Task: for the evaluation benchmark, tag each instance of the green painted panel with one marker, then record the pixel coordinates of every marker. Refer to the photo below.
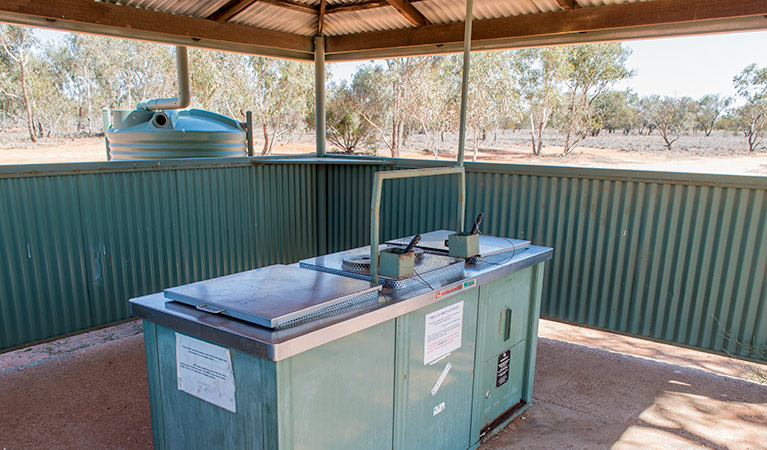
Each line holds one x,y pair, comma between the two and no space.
189,422
340,394
505,308
500,398
75,248
43,289
434,413
131,238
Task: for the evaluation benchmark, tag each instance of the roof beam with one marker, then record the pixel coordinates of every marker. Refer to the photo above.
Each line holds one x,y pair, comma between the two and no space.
88,16
409,12
567,4
321,18
230,9
615,22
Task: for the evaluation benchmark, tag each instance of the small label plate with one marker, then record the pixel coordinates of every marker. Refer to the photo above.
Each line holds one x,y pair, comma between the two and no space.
502,374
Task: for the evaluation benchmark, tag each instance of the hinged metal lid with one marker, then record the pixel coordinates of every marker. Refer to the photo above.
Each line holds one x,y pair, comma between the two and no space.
274,296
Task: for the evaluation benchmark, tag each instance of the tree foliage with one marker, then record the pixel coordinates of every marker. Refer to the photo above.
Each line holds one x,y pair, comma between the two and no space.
587,73
751,86
60,87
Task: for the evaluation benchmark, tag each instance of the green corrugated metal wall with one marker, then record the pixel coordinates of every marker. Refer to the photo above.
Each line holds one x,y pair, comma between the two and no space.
75,248
675,257
666,256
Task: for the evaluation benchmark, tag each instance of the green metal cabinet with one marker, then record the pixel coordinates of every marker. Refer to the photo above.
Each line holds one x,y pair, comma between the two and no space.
372,389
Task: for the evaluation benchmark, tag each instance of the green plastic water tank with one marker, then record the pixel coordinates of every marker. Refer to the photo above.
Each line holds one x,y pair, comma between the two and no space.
186,133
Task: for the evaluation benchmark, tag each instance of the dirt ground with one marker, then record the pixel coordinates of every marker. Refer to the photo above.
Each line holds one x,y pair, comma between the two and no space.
721,153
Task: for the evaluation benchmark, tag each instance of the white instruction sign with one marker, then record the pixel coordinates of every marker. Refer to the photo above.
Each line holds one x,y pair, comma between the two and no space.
443,332
205,371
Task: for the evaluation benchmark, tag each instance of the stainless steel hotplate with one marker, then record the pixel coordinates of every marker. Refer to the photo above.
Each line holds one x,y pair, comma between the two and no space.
276,296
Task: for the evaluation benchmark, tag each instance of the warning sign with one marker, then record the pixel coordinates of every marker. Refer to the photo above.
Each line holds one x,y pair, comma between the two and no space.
443,332
205,371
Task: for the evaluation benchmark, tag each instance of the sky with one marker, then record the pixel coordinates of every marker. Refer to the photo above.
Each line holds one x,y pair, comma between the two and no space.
686,66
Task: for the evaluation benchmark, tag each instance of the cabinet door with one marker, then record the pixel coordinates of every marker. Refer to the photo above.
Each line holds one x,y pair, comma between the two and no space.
504,305
503,318
434,386
502,380
338,396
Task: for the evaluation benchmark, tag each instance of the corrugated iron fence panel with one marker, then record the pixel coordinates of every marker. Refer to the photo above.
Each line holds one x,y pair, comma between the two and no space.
42,261
677,262
668,258
677,258
408,206
75,248
132,235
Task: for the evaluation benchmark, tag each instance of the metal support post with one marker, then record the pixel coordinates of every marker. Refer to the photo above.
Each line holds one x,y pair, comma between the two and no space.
106,121
465,81
249,131
319,90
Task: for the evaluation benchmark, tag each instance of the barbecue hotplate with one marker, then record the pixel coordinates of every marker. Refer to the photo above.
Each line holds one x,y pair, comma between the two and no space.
276,296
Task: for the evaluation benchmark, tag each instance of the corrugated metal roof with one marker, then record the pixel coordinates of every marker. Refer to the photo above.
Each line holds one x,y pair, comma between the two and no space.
447,11
270,17
385,18
193,8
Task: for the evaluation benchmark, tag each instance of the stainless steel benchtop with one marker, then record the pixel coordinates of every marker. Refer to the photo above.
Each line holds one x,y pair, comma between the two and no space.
283,343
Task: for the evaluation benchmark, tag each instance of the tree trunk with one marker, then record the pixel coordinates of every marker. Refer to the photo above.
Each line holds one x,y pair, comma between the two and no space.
532,131
30,122
266,139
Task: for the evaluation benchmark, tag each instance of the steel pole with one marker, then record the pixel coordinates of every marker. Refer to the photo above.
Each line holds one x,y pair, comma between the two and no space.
319,91
465,81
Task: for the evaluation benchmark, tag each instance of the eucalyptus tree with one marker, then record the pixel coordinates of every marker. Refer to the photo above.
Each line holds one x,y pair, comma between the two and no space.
388,98
436,99
16,43
751,86
669,115
282,94
616,110
492,96
587,71
708,110
538,73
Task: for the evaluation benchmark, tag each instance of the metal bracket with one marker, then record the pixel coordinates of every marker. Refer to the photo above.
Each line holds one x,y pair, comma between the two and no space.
375,203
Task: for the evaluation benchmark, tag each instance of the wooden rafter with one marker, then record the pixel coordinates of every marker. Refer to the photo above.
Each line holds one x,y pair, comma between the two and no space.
623,21
107,19
409,12
567,4
230,9
321,18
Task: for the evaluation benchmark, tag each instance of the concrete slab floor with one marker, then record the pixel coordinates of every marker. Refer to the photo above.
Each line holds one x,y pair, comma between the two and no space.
592,390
